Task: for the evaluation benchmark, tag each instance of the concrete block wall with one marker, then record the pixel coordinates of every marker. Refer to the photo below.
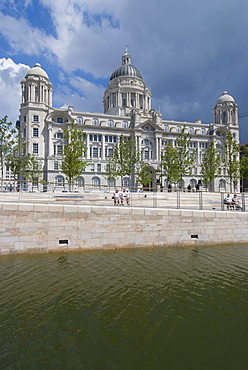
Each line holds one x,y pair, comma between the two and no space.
42,228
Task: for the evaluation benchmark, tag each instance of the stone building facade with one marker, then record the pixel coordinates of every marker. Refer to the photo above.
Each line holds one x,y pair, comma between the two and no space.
127,106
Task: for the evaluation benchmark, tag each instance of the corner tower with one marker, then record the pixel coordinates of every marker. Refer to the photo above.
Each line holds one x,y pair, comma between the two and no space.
226,110
126,90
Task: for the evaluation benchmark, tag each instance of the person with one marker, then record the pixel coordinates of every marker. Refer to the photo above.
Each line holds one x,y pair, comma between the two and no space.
121,198
116,198
189,188
228,201
236,202
169,188
126,196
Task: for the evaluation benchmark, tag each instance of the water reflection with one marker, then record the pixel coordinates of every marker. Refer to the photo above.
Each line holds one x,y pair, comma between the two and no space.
174,308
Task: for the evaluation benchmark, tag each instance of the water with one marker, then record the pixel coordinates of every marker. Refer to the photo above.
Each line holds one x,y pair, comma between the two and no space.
171,308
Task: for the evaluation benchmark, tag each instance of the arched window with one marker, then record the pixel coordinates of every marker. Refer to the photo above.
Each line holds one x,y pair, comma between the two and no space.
59,181
80,120
193,183
95,122
110,123
111,182
179,129
125,124
191,130
166,128
125,182
80,181
95,181
203,131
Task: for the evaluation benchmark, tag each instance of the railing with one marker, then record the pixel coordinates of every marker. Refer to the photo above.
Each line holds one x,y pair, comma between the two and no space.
101,195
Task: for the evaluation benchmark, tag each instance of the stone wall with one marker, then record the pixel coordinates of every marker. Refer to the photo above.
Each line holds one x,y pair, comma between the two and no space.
40,228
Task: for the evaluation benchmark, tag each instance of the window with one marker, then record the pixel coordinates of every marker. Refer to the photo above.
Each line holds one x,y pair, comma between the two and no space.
95,181
25,119
59,135
191,130
92,167
24,132
166,128
110,152
59,149
59,181
80,120
179,129
110,139
192,144
95,138
111,182
35,148
95,153
146,142
146,154
203,131
234,136
125,124
55,165
60,120
80,181
110,123
125,182
95,122
99,167
36,118
35,132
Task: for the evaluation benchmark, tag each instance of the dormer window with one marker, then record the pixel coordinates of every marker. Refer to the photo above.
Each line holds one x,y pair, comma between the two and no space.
95,122
60,120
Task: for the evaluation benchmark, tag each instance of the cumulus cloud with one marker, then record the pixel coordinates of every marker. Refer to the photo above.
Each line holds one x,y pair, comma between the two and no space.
188,52
10,91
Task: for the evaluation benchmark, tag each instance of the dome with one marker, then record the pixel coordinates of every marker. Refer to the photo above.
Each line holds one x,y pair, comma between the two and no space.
126,69
37,71
224,98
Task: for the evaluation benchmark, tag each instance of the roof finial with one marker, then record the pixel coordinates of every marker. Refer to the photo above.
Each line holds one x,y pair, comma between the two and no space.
126,49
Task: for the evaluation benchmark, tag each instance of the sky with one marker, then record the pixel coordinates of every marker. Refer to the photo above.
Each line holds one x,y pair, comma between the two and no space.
188,52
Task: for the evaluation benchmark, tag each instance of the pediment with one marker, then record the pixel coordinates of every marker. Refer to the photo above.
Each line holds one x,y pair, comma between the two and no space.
149,126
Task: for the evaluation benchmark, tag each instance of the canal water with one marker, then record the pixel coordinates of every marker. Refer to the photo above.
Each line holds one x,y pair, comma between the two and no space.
171,308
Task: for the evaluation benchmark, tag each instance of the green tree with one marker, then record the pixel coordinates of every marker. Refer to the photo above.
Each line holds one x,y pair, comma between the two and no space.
143,174
17,158
170,164
179,160
186,156
232,161
244,163
125,158
32,170
7,141
74,151
210,167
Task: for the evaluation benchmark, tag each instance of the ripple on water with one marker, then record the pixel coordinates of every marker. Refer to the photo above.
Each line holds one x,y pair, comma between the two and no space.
125,309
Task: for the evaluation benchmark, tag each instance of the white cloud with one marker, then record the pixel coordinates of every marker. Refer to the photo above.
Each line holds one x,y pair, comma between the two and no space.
10,90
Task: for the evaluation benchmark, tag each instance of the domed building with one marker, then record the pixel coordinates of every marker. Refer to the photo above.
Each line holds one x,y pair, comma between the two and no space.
127,108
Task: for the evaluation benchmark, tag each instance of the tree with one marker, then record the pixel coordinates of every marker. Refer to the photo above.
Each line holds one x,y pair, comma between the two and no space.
178,161
17,158
7,140
125,158
232,160
211,163
143,174
186,157
74,151
32,170
170,164
243,164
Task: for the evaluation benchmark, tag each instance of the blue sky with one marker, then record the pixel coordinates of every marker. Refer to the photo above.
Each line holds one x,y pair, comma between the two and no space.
188,52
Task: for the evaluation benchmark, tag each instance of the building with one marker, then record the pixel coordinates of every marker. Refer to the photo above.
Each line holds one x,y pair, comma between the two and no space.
127,106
